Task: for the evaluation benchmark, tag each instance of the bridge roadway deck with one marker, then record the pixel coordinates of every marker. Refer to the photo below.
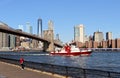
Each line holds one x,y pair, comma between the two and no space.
21,33
13,71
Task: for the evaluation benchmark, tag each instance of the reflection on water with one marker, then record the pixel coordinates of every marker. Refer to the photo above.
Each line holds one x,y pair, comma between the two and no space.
97,60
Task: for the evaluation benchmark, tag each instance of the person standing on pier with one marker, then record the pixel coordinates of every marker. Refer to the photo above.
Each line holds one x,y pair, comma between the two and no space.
22,63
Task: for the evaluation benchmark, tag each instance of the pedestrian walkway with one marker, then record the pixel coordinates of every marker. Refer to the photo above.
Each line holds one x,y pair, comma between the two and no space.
13,71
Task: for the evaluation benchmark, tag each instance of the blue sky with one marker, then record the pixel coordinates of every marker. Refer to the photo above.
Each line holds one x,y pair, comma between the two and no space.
94,14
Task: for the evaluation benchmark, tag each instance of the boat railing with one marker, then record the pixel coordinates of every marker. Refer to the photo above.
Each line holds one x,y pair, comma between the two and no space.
73,72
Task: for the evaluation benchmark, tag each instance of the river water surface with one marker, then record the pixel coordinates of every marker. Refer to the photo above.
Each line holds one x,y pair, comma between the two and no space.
108,61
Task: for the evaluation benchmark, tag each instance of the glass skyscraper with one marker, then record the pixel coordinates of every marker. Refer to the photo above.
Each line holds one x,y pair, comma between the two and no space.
79,33
29,28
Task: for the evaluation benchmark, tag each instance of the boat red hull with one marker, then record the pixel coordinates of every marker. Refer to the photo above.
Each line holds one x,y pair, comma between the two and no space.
72,53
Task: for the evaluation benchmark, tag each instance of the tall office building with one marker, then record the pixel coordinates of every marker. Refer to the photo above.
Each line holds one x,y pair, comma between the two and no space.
3,40
79,33
39,27
50,25
98,36
57,37
21,27
29,28
11,41
108,35
3,36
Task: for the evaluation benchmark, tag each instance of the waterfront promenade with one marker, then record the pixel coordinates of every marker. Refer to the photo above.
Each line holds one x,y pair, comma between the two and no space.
14,71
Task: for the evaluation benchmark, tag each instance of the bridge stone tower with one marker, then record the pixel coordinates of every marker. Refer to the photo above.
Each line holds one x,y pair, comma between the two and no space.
49,35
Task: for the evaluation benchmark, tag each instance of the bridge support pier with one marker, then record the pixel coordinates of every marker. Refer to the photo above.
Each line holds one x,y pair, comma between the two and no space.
45,46
48,46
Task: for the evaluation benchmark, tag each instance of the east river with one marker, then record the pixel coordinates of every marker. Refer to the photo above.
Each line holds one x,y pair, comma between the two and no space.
108,61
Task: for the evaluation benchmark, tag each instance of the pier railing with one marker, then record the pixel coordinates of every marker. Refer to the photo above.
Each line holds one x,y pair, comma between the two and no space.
73,72
106,49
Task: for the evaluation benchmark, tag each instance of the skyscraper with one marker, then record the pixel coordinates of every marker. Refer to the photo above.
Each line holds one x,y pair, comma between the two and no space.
108,35
21,27
79,33
39,28
11,41
29,28
57,37
50,25
98,36
3,39
3,36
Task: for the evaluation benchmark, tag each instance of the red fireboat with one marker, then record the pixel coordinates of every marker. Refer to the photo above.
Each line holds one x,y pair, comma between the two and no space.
72,51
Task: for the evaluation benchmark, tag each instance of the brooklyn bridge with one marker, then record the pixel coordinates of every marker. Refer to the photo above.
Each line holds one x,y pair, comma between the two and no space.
48,39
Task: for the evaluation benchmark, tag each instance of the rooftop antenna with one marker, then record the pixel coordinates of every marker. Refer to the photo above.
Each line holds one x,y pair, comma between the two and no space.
98,29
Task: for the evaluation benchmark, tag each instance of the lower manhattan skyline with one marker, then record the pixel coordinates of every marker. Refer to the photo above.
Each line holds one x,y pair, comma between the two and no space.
103,15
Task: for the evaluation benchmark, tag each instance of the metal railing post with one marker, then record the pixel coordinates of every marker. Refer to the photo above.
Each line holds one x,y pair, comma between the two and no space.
66,68
52,66
109,76
84,73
